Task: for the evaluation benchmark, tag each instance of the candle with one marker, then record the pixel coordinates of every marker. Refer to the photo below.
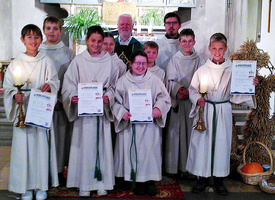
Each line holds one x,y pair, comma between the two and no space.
150,29
17,76
203,84
138,29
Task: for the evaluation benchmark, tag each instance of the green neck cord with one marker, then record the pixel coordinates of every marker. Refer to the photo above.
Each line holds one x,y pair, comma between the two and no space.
214,126
133,172
98,174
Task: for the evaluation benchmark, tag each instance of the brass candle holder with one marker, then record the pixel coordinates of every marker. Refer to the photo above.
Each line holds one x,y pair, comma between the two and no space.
200,123
21,116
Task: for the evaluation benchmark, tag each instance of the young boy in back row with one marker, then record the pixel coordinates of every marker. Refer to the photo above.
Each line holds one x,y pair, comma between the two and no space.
151,49
62,57
209,151
180,70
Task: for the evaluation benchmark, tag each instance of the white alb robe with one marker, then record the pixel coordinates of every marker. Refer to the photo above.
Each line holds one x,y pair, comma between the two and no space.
180,70
62,57
120,64
86,69
148,135
199,157
31,149
157,71
167,48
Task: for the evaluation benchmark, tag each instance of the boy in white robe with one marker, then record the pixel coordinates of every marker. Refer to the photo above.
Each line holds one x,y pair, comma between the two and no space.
151,49
180,70
33,155
141,161
62,57
200,160
91,156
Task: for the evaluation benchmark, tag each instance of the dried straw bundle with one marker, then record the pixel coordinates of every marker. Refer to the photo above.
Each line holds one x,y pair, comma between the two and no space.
258,124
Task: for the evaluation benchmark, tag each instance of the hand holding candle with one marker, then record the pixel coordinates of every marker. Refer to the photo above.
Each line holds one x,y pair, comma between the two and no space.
203,84
17,75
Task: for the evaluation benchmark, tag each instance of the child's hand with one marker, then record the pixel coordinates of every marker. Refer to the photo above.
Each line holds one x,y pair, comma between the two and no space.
75,99
45,87
126,116
201,102
183,93
18,98
156,113
105,99
255,81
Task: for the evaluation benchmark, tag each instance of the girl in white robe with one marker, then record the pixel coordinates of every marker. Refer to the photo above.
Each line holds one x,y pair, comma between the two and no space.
147,135
109,46
91,146
33,155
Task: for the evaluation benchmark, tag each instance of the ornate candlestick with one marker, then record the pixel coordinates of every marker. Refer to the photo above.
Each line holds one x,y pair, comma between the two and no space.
200,123
21,116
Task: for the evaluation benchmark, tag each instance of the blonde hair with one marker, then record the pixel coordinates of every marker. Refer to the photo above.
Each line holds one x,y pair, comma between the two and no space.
218,37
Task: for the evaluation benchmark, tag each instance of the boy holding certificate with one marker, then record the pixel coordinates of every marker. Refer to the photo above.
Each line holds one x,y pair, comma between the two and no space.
138,145
91,156
209,150
62,56
180,70
33,154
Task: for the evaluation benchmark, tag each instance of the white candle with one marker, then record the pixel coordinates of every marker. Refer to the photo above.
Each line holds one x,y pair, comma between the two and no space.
150,29
138,29
17,76
203,84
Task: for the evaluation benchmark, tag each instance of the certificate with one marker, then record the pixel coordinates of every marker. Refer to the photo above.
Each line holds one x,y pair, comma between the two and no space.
90,101
40,109
243,73
140,106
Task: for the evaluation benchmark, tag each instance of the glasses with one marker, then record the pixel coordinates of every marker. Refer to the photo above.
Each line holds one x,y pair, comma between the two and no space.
141,63
169,23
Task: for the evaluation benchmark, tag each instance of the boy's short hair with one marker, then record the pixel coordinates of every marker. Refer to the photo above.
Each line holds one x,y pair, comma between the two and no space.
53,20
31,28
172,14
218,37
150,44
95,29
187,31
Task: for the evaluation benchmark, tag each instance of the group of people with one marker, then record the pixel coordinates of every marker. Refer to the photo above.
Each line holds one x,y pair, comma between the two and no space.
101,151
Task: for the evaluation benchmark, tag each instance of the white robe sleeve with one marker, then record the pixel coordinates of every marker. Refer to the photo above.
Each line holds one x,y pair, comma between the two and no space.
70,89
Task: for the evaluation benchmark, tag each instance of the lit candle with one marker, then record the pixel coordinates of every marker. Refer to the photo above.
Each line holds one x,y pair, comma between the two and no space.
203,84
17,76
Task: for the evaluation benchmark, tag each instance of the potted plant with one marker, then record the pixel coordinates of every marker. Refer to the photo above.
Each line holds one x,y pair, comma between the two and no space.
152,17
77,25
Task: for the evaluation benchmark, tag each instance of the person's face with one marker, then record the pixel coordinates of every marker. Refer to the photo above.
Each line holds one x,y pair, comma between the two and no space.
152,54
139,66
52,32
217,50
125,26
186,42
32,41
172,26
108,45
94,43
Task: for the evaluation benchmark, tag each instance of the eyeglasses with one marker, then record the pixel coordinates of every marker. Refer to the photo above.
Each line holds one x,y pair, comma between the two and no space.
141,63
169,23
